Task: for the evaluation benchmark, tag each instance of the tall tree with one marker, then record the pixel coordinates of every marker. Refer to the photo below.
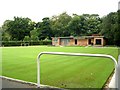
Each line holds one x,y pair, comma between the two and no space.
19,27
110,27
85,24
34,35
117,34
92,23
4,30
26,39
44,29
59,24
75,25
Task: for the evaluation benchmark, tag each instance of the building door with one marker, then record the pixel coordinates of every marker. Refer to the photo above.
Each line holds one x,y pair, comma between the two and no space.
89,41
75,41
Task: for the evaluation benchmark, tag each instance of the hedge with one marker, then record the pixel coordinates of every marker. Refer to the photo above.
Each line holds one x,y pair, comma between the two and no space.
11,43
23,43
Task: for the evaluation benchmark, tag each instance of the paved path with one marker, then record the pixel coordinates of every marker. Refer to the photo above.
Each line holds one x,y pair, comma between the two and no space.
14,84
119,71
112,83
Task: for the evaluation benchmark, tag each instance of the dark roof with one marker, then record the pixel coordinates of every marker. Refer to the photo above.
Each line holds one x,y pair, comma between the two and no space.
88,37
80,37
63,37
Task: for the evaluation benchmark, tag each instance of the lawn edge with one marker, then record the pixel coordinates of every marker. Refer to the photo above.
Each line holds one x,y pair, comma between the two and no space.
26,82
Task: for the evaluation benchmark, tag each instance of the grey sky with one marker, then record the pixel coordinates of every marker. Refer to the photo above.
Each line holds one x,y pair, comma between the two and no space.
38,9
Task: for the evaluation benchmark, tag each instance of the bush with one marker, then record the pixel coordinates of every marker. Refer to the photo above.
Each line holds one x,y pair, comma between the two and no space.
47,42
11,43
24,43
26,38
34,43
41,42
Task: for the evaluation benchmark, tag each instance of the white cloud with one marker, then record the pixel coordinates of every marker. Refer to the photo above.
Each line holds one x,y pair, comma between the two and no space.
37,9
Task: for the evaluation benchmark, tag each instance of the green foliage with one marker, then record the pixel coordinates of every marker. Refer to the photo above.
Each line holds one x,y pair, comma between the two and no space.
44,29
92,24
41,42
75,26
11,43
19,27
63,25
84,24
117,34
22,43
110,28
6,37
46,39
59,24
26,38
34,38
34,35
0,35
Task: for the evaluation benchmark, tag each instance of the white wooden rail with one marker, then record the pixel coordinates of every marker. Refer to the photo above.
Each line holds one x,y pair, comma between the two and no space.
77,54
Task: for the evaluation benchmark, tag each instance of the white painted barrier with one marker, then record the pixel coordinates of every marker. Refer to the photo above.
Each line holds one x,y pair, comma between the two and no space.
119,72
77,54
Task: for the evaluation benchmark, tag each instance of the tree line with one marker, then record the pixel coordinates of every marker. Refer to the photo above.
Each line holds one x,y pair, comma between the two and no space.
24,29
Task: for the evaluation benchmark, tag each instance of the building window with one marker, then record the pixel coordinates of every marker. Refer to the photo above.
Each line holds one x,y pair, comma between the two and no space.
98,42
65,41
55,39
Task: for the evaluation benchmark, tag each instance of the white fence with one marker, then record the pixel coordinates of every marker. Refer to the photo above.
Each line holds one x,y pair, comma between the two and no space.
117,80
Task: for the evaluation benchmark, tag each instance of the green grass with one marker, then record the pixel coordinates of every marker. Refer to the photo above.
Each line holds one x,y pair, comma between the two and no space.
59,71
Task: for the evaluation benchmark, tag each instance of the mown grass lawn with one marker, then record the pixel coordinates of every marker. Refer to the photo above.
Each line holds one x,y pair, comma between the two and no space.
59,71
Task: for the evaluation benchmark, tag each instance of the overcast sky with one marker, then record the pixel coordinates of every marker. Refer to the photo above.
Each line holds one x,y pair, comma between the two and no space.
38,9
